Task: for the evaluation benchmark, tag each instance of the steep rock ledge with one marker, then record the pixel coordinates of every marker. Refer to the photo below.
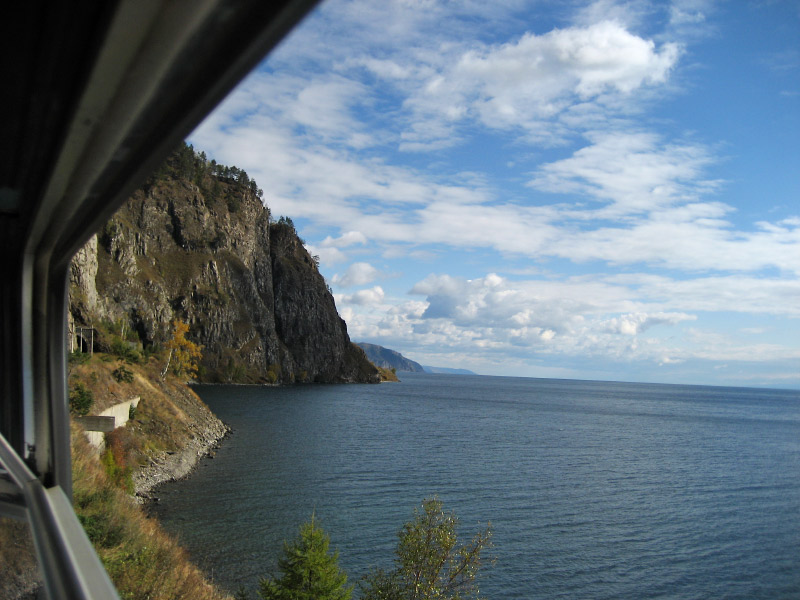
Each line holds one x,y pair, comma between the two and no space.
197,244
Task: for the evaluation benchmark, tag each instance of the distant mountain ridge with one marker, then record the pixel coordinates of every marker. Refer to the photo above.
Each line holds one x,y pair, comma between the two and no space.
389,359
446,370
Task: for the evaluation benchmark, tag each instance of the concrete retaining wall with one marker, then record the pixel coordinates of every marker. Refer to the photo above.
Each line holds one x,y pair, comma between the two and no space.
120,412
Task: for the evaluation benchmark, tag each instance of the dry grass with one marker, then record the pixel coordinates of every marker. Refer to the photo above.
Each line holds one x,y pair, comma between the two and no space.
141,559
160,423
387,374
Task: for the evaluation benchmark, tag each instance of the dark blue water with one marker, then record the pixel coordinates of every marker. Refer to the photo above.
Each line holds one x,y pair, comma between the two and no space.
594,489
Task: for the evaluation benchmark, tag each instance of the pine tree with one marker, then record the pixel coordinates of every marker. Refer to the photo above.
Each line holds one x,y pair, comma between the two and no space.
310,572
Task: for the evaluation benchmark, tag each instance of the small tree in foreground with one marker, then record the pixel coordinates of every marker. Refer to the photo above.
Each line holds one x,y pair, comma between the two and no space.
310,572
430,563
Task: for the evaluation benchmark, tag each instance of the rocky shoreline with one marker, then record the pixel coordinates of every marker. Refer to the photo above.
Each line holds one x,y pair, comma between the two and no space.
169,466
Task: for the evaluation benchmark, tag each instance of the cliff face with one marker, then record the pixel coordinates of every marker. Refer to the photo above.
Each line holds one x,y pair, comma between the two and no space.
198,246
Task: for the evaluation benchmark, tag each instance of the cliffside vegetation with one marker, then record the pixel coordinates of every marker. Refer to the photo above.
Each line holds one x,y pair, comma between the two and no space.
387,374
170,421
141,559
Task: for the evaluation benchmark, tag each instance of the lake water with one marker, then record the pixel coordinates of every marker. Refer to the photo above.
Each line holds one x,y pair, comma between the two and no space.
594,489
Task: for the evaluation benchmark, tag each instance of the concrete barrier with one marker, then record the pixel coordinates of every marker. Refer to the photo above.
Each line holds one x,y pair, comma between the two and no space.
97,423
120,412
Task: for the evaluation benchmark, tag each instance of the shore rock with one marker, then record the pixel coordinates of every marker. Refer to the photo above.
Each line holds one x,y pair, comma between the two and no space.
207,433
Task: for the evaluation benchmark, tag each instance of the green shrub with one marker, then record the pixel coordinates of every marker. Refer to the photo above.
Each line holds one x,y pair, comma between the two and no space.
121,349
113,462
101,530
122,374
79,358
273,373
429,561
81,399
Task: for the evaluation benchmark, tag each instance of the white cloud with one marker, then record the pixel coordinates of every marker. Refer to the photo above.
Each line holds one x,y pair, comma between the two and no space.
373,295
657,187
328,255
348,238
666,360
632,324
534,305
731,293
359,273
753,330
635,172
607,318
330,250
629,13
689,12
527,83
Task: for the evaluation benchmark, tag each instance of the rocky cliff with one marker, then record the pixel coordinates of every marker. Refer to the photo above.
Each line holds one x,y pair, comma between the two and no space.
197,244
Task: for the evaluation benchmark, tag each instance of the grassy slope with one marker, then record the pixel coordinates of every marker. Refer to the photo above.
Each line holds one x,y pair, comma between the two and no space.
387,374
142,560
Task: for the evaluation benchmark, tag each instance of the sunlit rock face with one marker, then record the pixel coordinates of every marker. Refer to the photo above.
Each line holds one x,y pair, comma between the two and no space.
205,250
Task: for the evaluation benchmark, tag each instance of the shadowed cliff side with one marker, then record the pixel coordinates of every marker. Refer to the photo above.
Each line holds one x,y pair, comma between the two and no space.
312,332
196,243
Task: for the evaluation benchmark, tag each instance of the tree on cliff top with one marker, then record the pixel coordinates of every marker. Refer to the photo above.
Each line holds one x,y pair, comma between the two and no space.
184,355
310,572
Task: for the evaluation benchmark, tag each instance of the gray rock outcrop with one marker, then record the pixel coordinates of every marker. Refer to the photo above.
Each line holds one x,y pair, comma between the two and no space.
203,249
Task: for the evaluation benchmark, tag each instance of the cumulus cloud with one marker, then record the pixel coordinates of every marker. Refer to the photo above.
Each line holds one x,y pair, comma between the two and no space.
633,324
537,78
521,306
348,238
332,250
359,273
373,295
628,318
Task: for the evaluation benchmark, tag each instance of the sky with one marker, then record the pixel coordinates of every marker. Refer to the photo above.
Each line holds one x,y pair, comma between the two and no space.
585,190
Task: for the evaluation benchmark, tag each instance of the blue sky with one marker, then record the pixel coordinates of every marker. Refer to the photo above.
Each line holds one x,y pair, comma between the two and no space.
592,190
